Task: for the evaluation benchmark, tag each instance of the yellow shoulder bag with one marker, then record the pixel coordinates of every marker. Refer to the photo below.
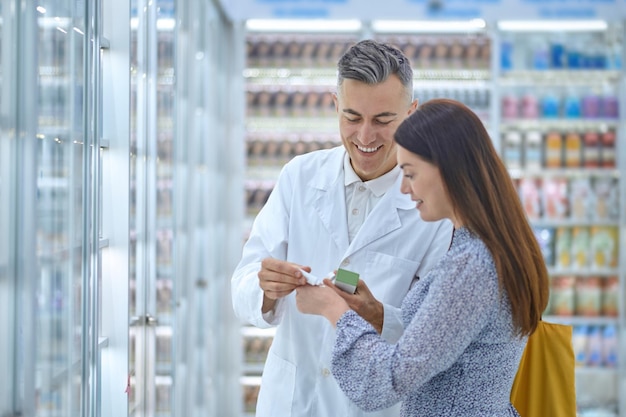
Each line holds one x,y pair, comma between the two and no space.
544,384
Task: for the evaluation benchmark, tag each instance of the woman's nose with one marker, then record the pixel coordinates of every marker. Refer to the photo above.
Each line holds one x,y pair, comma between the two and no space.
404,188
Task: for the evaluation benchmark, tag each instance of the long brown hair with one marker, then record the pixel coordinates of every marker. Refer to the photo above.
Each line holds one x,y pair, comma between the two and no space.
449,135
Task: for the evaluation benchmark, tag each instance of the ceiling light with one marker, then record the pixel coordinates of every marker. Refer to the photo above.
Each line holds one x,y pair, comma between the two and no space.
417,26
552,25
302,25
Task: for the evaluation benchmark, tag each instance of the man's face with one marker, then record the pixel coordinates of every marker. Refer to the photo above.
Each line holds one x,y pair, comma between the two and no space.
368,117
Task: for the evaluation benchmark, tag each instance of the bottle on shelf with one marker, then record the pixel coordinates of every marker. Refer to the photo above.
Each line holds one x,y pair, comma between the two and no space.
591,149
553,150
573,149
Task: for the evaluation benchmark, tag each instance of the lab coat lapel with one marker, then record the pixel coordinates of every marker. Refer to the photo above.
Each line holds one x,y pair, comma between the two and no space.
383,219
330,202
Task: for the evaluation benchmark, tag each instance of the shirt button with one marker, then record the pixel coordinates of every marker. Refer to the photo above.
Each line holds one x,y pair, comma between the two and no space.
326,372
355,211
361,188
345,262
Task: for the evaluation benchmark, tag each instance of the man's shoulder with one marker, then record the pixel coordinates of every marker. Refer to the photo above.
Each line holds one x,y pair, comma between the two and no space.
315,160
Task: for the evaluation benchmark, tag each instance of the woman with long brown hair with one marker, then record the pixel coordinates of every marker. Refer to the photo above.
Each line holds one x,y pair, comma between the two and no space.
467,321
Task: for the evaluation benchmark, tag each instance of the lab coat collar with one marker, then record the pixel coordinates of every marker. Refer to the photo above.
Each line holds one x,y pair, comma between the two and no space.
384,218
330,204
378,186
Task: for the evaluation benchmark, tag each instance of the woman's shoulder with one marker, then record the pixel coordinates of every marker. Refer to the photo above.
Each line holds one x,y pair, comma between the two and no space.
469,247
469,260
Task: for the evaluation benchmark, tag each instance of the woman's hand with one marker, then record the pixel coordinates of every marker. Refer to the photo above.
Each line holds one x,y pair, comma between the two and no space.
364,303
322,300
325,301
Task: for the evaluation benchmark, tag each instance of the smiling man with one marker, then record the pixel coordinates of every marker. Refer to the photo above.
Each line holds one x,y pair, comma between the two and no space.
330,209
369,114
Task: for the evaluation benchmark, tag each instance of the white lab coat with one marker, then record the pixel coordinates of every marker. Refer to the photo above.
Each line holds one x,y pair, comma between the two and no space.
304,221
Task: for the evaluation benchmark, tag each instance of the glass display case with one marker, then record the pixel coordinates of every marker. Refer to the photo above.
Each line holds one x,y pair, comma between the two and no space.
56,241
151,194
185,168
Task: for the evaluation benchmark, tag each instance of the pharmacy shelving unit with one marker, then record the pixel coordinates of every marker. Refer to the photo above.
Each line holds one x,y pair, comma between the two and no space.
561,133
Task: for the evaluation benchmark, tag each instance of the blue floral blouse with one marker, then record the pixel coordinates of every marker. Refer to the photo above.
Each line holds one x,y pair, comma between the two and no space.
458,355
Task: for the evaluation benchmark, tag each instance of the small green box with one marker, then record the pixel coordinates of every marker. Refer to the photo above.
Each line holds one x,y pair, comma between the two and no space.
347,280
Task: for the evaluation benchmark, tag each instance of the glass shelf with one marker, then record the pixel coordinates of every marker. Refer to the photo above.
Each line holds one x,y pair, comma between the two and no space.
559,124
586,271
539,78
564,173
573,222
291,124
328,76
582,320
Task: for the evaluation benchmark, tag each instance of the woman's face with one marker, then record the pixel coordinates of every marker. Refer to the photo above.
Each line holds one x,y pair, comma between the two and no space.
422,181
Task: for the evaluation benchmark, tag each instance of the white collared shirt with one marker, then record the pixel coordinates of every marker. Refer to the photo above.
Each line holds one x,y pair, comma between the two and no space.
361,197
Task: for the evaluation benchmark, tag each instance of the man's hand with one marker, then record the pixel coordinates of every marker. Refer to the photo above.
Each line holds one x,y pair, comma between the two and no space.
364,303
277,279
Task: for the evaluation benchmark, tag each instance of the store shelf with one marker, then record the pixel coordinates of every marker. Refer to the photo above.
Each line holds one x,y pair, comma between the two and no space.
517,173
291,124
559,102
561,77
301,77
256,344
584,271
556,223
250,387
580,320
560,124
310,77
596,389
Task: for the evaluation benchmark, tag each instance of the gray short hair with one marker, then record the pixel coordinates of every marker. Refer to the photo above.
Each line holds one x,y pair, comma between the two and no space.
373,62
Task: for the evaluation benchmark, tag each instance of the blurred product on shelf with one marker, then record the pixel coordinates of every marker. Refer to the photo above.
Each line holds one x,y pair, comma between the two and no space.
595,345
584,296
573,148
554,105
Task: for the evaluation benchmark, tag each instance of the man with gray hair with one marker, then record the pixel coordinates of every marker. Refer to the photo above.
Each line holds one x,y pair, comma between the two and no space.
331,209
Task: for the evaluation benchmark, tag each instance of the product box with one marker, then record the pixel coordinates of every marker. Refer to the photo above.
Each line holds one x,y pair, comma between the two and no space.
603,244
580,247
610,296
562,295
554,198
563,248
347,280
588,296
